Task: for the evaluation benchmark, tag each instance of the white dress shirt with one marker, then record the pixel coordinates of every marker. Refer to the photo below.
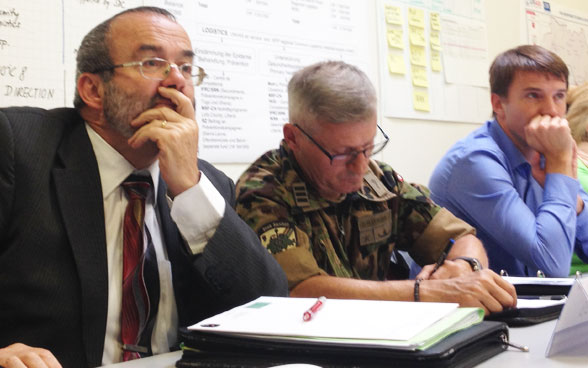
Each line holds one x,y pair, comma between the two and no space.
197,213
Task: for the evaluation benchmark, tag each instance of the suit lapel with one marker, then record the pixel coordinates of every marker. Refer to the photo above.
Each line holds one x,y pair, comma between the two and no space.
77,183
171,234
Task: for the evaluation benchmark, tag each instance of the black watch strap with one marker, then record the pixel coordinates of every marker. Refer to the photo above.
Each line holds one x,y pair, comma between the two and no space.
474,263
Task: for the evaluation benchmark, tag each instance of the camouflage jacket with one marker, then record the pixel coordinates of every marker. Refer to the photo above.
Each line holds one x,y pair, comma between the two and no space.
355,237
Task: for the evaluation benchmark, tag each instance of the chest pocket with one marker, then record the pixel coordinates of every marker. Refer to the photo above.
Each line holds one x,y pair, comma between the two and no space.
373,227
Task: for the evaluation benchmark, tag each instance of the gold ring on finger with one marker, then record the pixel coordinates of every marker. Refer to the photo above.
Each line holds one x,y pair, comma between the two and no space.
164,123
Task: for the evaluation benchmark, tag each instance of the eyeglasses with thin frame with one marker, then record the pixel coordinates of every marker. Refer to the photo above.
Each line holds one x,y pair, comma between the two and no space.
159,69
344,158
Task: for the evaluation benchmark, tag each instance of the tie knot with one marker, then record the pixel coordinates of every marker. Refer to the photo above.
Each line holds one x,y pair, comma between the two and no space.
137,186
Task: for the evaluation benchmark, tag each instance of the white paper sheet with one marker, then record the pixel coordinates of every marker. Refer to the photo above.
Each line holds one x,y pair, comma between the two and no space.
353,319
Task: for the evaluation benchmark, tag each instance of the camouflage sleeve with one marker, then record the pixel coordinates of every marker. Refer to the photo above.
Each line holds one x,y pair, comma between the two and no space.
428,246
263,207
424,227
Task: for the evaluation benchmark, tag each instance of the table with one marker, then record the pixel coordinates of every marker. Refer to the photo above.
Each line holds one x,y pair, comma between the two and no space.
535,337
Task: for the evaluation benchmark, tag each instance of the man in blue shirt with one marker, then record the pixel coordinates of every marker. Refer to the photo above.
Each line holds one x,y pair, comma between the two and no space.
514,179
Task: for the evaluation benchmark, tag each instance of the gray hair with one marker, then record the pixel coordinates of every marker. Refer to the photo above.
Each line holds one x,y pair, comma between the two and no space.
332,91
94,52
577,114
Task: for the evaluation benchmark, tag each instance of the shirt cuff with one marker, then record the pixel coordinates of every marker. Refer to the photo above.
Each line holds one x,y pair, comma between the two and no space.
197,212
562,189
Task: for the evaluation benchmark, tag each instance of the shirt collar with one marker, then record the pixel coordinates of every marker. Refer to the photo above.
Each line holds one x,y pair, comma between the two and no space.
113,167
513,155
308,199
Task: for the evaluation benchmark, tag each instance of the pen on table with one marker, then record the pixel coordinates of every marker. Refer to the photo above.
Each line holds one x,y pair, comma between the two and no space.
443,255
314,309
543,297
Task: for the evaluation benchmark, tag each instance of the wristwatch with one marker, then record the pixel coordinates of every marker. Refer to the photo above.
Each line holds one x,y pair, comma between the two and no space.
474,263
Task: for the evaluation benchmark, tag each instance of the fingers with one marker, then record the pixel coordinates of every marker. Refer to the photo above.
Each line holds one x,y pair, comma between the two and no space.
483,289
547,133
551,136
157,115
511,298
174,132
425,273
496,293
184,106
24,356
451,269
161,122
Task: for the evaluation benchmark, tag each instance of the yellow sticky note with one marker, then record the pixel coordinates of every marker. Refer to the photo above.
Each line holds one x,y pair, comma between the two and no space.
417,55
393,14
395,38
435,22
416,17
420,100
435,40
416,36
396,64
419,76
436,61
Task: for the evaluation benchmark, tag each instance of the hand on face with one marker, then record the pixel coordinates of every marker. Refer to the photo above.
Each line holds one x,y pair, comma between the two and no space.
551,137
175,132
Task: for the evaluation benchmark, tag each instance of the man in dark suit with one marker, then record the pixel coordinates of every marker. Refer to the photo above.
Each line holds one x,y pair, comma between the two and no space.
62,204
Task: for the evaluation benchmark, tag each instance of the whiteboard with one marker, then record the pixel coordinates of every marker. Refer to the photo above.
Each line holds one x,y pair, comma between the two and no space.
248,48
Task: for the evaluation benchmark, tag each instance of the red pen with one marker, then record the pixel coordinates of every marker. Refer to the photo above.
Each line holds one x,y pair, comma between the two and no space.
315,308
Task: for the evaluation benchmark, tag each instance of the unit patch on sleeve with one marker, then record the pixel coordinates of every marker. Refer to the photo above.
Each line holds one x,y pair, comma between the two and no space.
278,236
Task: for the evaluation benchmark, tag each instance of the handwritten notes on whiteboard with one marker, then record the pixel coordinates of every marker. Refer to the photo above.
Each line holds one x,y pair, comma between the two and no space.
249,50
31,71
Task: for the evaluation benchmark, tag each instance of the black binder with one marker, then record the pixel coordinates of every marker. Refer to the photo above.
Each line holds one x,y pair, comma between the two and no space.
535,289
465,348
518,317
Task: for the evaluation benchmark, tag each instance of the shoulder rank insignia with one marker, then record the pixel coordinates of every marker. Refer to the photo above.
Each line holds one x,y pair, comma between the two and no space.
374,189
300,194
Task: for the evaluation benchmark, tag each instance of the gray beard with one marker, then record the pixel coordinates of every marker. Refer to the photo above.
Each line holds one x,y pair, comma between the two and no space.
121,108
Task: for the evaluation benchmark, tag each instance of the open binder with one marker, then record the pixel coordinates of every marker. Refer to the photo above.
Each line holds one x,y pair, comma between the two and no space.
344,333
465,348
541,285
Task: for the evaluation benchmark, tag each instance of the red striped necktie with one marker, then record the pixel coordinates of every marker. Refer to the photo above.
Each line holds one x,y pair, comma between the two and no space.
140,297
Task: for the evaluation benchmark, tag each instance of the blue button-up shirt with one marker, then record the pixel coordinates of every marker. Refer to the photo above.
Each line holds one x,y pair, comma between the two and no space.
485,180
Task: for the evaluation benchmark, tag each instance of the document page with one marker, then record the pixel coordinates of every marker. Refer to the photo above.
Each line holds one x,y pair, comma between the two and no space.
351,319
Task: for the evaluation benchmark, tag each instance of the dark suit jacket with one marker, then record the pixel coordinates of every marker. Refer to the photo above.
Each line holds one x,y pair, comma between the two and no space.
53,267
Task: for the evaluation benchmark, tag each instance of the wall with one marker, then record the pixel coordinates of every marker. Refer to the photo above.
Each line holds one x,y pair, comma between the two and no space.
416,145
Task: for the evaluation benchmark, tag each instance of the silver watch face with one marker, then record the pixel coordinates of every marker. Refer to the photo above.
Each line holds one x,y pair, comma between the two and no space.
476,266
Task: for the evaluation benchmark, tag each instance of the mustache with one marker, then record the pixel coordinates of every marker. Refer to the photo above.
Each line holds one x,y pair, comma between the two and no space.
160,100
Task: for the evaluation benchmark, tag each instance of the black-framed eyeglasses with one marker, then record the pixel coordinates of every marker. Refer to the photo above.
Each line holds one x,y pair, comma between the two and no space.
158,69
344,158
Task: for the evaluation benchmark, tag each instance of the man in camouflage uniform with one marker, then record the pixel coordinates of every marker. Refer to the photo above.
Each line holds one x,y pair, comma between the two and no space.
333,218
